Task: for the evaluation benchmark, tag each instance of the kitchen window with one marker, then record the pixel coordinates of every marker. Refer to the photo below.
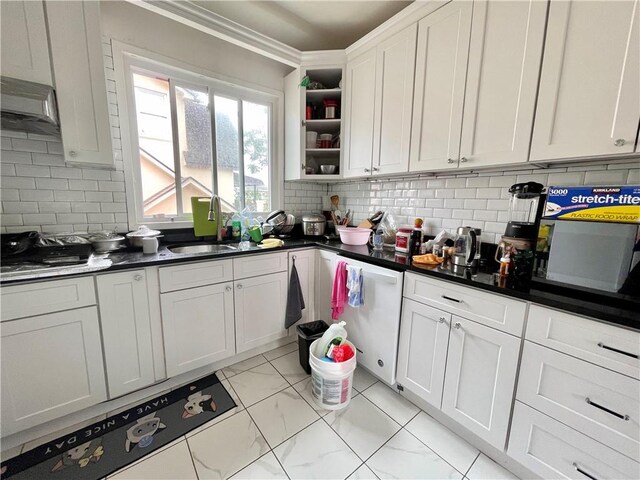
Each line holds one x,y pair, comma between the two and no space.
192,136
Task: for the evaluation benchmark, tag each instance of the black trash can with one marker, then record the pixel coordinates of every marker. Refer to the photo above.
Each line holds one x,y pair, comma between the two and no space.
307,334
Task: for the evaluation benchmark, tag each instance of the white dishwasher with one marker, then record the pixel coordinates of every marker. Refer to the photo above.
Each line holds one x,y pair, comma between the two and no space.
374,327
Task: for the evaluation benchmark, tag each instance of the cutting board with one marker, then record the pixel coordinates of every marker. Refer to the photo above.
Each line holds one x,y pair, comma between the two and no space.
202,227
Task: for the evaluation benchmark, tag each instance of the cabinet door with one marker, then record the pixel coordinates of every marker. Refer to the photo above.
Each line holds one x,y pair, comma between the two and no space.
51,366
260,304
358,153
293,131
422,350
395,69
126,331
589,99
441,68
305,262
197,326
502,81
479,383
78,68
325,270
24,46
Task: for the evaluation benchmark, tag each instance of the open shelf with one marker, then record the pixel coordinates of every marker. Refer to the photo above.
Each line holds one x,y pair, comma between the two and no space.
323,151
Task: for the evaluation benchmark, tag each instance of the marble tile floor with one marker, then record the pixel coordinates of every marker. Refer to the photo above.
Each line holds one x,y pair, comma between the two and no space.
278,432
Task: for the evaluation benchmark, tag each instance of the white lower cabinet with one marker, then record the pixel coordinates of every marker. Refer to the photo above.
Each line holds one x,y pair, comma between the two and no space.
325,269
481,371
51,366
126,331
550,449
197,326
260,304
422,353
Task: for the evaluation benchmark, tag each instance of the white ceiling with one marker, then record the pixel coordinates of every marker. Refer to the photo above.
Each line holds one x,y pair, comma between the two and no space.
309,24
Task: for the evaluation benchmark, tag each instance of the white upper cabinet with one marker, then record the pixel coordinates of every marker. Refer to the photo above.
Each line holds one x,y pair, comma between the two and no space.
78,70
24,46
126,331
395,68
502,79
589,99
441,66
360,94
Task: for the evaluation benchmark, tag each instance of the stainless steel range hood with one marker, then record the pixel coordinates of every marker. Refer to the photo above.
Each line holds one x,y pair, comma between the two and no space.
28,107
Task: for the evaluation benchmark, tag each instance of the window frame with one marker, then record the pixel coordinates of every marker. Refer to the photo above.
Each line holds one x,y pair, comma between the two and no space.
128,59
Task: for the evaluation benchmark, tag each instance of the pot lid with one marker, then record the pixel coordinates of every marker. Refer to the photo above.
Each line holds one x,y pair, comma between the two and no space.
105,238
143,231
314,217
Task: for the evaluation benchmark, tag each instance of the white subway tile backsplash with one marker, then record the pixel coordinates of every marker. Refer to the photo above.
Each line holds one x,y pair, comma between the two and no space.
11,219
52,183
83,185
55,148
444,193
69,196
464,193
39,218
568,179
478,182
71,218
20,207
634,177
502,180
48,159
100,217
113,207
33,171
36,195
66,172
54,207
487,215
9,195
17,182
608,177
85,207
108,186
9,156
98,196
487,192
26,145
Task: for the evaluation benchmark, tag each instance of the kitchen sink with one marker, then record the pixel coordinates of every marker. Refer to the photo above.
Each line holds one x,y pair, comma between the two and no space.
201,248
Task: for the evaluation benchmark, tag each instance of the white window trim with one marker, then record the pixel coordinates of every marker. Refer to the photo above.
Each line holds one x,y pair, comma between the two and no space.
124,56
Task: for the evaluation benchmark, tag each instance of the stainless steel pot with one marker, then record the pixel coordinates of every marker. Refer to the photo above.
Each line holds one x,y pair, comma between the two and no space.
102,244
313,225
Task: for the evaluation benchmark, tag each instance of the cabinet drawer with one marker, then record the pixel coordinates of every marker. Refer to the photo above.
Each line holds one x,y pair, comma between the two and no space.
490,309
595,401
553,450
190,275
46,297
605,345
255,265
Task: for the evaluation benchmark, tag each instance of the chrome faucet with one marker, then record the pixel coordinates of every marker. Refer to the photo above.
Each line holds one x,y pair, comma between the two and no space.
215,214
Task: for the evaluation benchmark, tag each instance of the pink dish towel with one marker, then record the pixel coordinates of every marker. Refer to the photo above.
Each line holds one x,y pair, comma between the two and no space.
339,293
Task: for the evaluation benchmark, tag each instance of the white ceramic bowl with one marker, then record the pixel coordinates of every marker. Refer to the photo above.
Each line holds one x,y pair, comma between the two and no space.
354,235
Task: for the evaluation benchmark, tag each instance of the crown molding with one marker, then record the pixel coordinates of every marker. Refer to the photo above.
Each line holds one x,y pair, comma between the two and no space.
323,57
405,17
213,24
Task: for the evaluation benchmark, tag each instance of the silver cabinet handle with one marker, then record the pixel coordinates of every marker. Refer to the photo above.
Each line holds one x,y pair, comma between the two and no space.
303,123
621,352
73,153
579,470
376,169
450,160
464,159
366,170
302,166
457,325
620,142
605,409
227,288
239,287
442,320
138,277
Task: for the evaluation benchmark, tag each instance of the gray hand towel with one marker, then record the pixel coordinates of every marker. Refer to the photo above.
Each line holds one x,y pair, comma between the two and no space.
295,299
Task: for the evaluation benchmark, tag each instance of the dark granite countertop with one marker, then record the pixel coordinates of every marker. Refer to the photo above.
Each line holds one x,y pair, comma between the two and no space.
623,313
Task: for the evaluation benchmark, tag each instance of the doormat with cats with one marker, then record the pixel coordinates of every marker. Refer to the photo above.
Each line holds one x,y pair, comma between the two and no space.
104,447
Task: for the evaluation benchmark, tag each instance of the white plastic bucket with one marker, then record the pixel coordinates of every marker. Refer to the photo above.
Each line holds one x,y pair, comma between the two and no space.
331,383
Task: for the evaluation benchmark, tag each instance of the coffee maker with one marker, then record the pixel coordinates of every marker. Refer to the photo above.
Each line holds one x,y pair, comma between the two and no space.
526,205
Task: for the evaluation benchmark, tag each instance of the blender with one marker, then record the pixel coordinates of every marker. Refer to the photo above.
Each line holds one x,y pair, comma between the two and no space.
526,204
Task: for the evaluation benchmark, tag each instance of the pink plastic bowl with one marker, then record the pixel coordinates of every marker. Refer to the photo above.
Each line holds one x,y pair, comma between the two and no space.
354,235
